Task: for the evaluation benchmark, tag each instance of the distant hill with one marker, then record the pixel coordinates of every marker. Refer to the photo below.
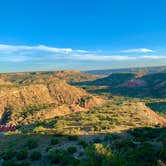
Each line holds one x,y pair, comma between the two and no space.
134,70
29,77
132,85
75,76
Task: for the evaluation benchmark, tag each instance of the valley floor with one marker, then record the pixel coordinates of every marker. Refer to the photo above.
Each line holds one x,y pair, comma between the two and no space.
119,133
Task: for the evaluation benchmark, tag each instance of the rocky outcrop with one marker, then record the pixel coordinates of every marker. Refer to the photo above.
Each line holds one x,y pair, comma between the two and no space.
21,97
57,93
149,115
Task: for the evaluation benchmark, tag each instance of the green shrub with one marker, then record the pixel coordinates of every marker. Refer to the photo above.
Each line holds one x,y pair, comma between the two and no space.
83,143
115,136
9,163
24,163
92,129
21,155
97,128
54,141
97,154
55,156
97,140
160,163
107,137
16,132
39,129
70,160
35,155
117,160
32,143
124,144
71,149
62,157
144,155
73,138
9,154
162,154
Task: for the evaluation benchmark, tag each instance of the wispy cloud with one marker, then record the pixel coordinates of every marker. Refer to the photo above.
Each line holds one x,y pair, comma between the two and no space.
42,54
92,57
16,48
20,53
154,56
137,50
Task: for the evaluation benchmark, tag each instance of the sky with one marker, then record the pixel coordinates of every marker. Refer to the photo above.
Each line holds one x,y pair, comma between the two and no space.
43,35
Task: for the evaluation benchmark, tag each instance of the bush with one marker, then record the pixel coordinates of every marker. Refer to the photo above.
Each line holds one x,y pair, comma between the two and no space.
92,129
73,138
162,154
72,149
9,154
70,160
24,163
39,129
160,163
35,155
83,143
55,156
117,160
97,128
97,140
9,163
32,143
144,155
54,141
62,157
124,144
98,155
21,155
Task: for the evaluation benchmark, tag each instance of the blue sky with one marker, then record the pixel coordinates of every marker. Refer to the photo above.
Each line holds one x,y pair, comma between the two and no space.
81,34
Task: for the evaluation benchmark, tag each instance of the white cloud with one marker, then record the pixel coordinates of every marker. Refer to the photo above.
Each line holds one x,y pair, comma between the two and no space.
154,56
137,50
52,49
42,53
93,57
16,48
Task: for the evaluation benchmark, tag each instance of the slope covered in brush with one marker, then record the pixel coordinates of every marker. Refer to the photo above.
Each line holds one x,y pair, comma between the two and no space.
17,103
123,134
